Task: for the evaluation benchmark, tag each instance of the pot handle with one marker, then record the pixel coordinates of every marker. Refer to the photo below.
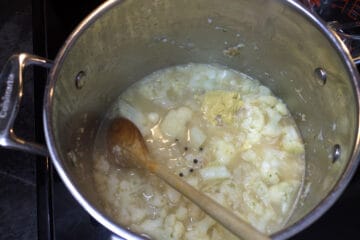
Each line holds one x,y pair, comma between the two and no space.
11,91
342,30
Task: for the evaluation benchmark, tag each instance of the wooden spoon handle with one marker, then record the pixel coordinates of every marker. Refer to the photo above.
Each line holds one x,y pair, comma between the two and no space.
224,216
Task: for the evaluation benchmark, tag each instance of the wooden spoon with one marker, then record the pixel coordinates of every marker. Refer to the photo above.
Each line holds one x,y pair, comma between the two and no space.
128,149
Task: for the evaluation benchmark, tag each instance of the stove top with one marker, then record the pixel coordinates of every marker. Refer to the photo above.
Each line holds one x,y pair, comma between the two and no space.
59,215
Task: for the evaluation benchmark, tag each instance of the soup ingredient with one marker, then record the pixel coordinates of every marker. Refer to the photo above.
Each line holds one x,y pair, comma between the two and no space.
179,118
220,106
127,148
250,159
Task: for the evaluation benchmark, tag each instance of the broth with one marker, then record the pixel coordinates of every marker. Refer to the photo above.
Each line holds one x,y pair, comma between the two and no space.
222,132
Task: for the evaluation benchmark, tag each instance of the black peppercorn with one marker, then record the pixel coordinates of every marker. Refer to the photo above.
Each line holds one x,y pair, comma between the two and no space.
181,174
195,161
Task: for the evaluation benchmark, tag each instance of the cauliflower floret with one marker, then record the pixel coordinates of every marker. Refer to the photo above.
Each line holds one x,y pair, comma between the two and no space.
272,128
224,151
205,78
268,100
214,172
269,173
113,185
193,181
281,193
102,165
173,195
174,123
197,137
253,119
291,141
249,155
170,220
251,139
156,90
173,228
264,90
273,158
253,203
216,235
157,200
137,214
178,230
199,229
125,185
152,226
153,117
182,213
194,211
281,108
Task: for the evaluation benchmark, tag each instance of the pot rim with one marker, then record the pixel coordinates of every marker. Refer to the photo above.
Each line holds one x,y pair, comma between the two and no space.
48,126
291,230
353,163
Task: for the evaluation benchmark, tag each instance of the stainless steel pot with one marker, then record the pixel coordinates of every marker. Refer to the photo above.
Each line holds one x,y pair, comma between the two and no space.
285,47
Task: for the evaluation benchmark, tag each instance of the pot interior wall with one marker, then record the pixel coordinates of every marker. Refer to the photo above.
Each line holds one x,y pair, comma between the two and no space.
281,49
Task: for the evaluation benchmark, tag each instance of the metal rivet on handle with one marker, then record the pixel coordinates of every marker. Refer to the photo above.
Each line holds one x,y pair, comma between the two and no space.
320,76
336,152
80,80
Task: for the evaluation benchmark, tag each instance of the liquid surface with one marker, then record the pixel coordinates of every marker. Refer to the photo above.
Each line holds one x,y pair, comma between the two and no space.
219,130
